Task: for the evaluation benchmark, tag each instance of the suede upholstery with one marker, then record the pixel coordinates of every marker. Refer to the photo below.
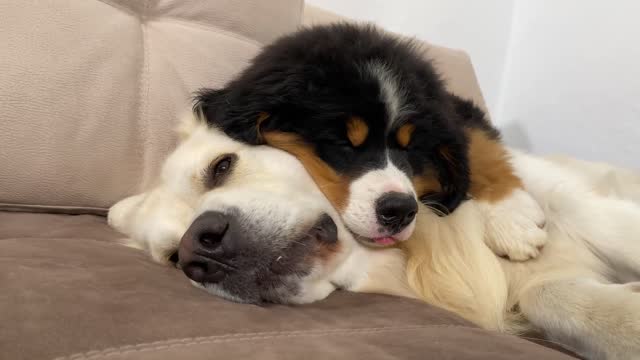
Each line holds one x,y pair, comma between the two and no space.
71,291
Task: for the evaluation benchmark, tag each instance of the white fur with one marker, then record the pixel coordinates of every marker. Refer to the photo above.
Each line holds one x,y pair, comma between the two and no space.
514,226
572,292
594,242
360,212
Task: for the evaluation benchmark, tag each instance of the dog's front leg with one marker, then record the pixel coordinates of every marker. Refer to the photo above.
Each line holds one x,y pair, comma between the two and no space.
514,219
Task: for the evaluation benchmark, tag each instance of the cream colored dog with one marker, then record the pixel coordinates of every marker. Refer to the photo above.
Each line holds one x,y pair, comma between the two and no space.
247,223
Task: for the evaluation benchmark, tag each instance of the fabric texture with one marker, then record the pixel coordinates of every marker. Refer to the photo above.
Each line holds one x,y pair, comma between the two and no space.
90,90
71,291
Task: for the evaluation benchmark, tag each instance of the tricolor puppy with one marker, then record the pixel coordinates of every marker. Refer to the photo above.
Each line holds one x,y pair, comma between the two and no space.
372,123
249,224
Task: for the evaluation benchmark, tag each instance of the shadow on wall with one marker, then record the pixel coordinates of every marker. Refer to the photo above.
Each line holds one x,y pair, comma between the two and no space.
514,135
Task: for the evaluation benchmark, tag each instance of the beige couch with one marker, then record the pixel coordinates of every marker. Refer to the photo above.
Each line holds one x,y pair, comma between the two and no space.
89,92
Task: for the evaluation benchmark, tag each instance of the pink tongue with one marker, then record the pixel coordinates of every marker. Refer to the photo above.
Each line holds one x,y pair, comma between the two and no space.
385,240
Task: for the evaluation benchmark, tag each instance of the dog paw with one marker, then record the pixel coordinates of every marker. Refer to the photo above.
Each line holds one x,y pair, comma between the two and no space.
515,226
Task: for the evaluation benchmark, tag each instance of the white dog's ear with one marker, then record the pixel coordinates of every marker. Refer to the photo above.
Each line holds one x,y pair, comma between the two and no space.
122,216
153,221
187,124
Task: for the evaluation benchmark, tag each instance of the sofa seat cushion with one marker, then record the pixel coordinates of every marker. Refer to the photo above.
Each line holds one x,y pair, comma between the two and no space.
71,291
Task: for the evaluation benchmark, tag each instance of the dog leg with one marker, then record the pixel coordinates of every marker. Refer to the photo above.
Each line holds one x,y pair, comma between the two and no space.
609,225
514,220
514,226
596,320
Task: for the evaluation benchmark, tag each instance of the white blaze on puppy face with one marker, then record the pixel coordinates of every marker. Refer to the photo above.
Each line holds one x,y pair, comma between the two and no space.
360,213
391,92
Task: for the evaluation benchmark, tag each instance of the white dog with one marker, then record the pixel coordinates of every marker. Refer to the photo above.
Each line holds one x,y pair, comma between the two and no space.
247,223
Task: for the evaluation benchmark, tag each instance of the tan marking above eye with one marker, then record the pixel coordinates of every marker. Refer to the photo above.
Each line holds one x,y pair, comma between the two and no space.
357,130
403,135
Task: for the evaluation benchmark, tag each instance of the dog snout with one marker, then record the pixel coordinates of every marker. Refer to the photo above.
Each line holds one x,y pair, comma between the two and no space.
395,210
206,247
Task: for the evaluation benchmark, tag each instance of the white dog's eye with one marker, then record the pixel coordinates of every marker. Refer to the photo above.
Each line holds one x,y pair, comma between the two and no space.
222,166
218,170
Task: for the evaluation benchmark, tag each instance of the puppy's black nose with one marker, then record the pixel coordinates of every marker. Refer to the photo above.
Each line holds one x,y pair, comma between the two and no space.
202,253
396,210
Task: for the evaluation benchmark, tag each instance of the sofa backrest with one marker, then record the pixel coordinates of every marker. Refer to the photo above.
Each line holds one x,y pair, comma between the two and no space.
90,90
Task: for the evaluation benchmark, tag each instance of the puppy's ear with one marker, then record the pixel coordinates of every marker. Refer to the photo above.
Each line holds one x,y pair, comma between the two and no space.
452,157
449,152
238,115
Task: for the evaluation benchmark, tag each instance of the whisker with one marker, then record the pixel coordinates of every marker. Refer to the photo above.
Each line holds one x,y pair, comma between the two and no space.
437,210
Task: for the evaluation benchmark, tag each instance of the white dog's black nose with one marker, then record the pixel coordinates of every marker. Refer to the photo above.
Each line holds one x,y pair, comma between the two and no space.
396,210
202,250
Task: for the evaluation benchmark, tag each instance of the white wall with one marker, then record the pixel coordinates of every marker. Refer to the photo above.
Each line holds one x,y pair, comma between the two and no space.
481,28
559,76
572,80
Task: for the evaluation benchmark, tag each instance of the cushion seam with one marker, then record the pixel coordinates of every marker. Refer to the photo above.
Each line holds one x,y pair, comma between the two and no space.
208,27
198,24
143,94
26,238
119,7
227,338
53,209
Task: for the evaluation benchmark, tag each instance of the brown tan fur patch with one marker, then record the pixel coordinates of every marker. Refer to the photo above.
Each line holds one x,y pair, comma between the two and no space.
357,130
334,186
492,176
403,135
425,184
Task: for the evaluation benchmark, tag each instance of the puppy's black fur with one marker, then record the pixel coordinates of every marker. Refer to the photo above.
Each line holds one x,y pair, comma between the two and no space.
312,81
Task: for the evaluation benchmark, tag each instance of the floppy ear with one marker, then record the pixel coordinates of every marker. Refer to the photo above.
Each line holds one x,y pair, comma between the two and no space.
238,114
449,152
452,157
218,109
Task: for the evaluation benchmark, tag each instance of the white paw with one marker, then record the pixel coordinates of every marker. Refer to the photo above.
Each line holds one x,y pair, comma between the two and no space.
515,226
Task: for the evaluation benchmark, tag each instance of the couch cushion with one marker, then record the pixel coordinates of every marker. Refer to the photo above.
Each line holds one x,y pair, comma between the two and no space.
69,290
90,90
